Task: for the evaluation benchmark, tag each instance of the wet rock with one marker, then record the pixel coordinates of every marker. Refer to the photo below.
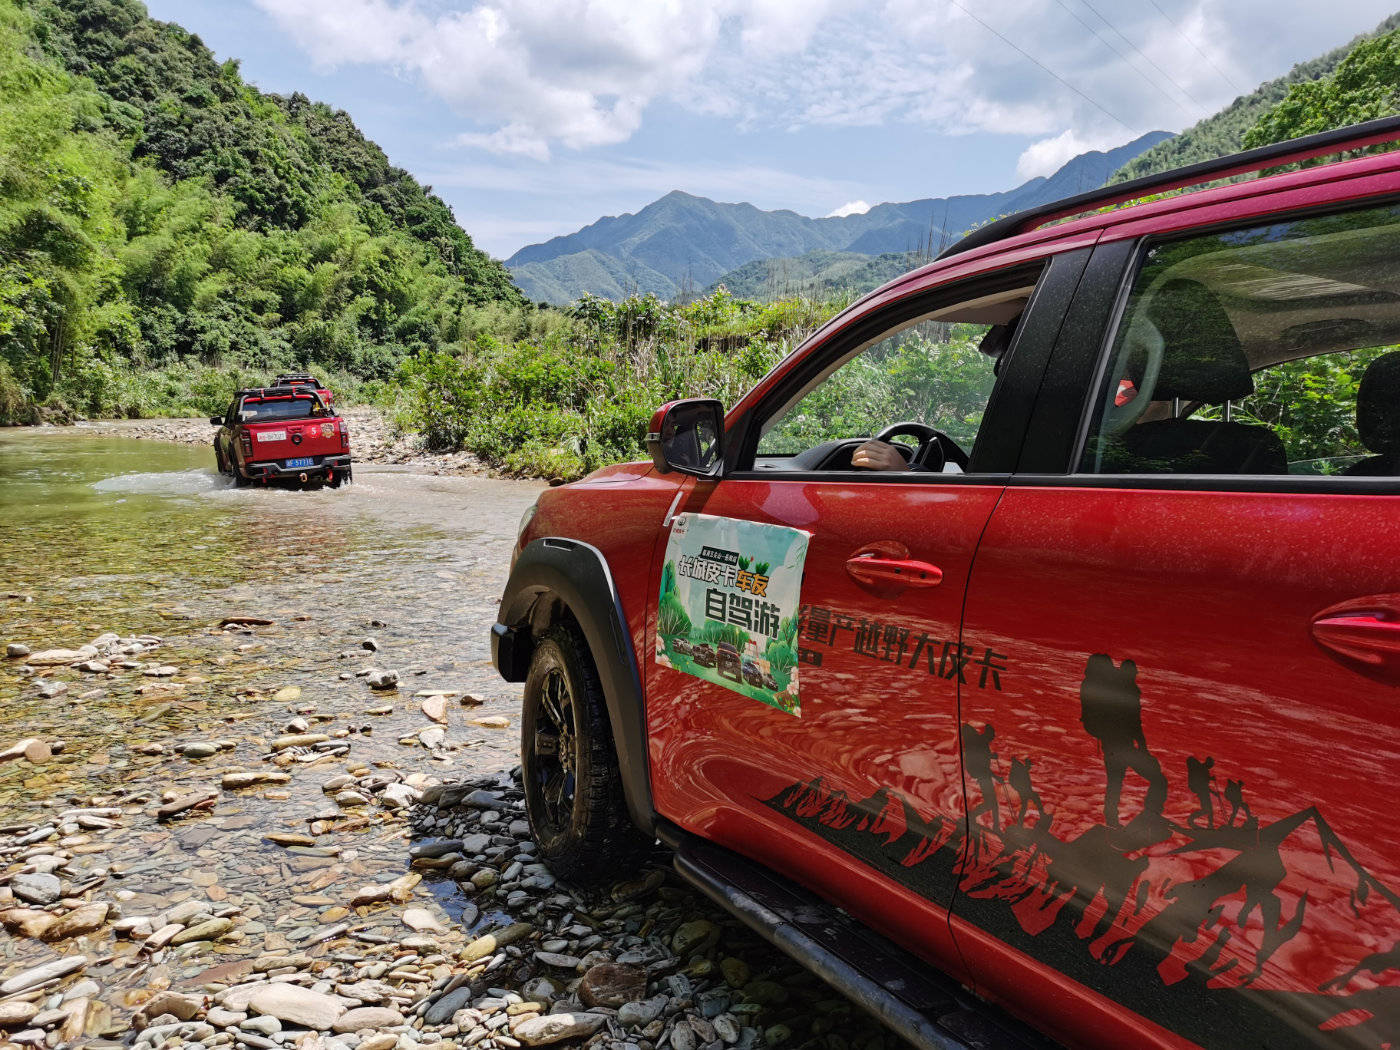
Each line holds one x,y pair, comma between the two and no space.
442,1010
435,707
492,722
60,657
298,740
81,920
555,1028
421,920
370,644
378,679
362,1017
37,887
492,942
200,749
433,737
612,984
211,930
36,976
197,800
27,922
255,778
558,959
292,1004
15,650
15,1015
50,689
178,1005
31,748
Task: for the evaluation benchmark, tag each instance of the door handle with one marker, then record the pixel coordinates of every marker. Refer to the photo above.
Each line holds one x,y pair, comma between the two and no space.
875,571
1363,636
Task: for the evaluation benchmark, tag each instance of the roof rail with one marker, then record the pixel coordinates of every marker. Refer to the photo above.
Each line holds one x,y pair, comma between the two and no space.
1354,136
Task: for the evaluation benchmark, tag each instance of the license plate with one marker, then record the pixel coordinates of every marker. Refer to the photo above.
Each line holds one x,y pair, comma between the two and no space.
308,461
270,435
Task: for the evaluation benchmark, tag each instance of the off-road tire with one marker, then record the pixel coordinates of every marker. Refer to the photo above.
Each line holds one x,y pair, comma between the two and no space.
596,842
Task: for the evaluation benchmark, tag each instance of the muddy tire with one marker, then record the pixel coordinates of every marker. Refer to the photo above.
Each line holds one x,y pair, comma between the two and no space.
239,480
573,789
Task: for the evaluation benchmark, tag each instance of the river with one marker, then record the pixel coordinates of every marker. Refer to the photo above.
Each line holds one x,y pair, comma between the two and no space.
288,870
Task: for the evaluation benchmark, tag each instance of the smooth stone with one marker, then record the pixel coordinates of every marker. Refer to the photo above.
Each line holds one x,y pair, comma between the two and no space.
15,650
204,931
235,781
298,740
442,1010
37,887
694,935
421,920
16,1014
81,920
555,1028
563,962
199,750
363,1017
492,942
642,1012
435,707
492,722
39,974
378,679
293,1004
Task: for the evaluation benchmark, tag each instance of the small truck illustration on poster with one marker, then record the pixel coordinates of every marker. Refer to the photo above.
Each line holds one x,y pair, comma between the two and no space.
728,607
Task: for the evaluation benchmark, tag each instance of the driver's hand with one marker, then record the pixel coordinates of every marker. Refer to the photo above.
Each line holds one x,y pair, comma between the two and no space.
878,455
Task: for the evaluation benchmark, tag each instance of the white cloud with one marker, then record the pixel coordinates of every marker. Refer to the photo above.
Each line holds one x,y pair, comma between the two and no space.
1049,155
528,76
849,208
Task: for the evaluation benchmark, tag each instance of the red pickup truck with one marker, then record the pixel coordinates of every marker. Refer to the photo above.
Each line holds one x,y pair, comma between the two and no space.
282,433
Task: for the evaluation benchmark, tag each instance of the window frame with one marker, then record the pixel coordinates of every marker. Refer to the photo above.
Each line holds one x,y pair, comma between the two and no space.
1083,354
1054,279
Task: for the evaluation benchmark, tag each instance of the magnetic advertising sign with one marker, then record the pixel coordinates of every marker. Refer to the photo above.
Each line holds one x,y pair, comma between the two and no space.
728,607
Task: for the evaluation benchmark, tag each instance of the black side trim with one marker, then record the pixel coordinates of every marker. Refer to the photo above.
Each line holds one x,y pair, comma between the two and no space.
911,998
577,574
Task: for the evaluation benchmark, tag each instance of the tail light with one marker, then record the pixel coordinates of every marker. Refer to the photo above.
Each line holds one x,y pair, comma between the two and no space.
344,437
245,443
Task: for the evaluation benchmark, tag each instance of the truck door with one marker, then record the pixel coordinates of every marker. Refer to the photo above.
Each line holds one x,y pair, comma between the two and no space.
1182,818
845,769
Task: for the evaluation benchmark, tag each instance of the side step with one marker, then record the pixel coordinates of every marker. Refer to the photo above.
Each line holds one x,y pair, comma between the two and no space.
924,1006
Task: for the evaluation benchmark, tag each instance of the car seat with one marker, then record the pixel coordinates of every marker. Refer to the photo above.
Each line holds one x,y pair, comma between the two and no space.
1202,361
1378,417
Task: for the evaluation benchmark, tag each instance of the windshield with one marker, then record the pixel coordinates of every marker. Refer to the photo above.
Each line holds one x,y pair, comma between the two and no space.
253,411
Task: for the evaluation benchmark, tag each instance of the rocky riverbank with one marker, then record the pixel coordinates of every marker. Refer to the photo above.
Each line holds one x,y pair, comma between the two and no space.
373,439
409,911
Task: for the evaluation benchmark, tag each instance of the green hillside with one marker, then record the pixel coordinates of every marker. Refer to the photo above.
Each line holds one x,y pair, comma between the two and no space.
1224,132
817,274
168,231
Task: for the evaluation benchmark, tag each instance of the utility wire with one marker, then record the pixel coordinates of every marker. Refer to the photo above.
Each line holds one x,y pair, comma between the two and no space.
1154,65
1041,65
1126,60
1181,33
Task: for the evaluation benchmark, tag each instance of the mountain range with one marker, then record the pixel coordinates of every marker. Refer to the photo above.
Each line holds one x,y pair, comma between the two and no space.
683,243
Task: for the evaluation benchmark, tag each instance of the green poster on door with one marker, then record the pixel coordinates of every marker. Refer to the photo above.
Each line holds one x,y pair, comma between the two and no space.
728,606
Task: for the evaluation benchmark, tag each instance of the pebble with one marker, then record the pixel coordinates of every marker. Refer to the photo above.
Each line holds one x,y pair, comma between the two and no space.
363,1017
378,679
555,1028
292,1004
39,974
37,887
15,650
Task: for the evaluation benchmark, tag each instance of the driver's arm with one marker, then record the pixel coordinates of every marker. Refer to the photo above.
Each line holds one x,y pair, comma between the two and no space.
880,455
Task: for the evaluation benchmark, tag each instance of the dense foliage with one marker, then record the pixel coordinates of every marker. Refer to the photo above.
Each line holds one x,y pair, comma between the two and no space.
560,394
168,232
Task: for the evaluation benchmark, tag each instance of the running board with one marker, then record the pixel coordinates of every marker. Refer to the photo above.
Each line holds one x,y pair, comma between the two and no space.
913,999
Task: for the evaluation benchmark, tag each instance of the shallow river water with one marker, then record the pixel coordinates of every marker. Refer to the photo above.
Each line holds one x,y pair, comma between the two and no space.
104,534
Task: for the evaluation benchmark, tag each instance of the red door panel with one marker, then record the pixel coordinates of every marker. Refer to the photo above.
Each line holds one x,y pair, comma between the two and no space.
1186,805
820,795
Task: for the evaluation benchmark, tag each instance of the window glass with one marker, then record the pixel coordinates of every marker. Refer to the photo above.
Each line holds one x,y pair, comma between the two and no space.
280,408
1269,350
937,371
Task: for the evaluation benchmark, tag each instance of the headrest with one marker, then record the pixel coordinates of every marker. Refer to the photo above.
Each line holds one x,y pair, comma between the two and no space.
996,339
1203,359
1378,405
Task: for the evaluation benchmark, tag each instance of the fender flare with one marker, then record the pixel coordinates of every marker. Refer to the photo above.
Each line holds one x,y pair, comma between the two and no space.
577,575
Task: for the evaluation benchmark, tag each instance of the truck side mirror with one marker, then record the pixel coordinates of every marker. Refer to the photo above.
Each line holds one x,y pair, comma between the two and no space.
217,421
688,437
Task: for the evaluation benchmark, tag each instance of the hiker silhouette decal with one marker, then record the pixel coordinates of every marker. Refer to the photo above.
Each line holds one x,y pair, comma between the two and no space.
1175,919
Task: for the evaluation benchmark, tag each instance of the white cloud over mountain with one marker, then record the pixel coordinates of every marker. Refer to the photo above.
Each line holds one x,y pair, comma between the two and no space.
528,76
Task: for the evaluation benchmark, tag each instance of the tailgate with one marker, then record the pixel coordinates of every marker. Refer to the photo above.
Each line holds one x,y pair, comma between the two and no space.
294,439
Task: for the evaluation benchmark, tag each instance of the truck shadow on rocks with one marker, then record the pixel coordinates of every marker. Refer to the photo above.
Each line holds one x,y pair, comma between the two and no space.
1226,956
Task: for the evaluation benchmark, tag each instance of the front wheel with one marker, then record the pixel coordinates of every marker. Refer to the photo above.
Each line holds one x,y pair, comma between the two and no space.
573,788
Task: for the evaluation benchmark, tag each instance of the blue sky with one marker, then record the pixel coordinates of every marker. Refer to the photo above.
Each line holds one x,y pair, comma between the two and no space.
533,118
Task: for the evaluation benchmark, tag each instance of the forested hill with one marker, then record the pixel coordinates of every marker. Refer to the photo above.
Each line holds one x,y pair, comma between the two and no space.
683,242
1224,132
168,229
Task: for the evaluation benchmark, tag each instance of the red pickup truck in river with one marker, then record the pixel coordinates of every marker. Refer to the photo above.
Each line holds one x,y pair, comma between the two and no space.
282,433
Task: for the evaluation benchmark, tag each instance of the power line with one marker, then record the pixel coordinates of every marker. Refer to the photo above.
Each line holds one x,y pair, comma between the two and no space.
1041,65
1154,65
1126,60
1182,33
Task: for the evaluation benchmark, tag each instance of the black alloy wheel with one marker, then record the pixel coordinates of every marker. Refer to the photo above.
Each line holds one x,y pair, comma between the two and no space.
573,787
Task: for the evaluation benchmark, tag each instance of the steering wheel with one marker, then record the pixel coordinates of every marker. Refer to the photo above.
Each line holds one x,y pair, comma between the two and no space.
935,450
